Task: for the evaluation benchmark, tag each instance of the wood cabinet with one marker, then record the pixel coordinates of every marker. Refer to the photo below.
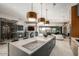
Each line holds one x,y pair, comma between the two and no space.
74,22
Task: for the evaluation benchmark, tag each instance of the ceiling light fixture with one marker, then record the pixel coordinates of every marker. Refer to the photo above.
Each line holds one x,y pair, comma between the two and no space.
42,19
46,21
31,15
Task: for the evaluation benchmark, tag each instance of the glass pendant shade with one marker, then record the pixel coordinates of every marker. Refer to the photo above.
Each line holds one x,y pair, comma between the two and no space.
32,16
47,22
41,20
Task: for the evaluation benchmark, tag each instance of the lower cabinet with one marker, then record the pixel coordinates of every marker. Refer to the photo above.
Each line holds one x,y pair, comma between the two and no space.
52,44
74,48
46,49
43,51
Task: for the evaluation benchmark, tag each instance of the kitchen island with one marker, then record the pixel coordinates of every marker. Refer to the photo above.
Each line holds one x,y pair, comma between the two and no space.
37,46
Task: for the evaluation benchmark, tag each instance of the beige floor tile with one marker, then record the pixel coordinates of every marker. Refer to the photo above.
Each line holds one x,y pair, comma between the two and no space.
62,48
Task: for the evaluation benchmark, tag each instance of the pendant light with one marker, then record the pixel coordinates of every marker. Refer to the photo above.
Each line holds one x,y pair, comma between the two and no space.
42,19
31,15
46,21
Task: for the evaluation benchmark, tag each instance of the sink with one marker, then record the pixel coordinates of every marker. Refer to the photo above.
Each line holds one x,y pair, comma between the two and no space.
33,45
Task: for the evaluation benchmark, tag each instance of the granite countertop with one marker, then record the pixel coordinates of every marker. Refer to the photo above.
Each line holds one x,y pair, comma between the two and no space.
19,44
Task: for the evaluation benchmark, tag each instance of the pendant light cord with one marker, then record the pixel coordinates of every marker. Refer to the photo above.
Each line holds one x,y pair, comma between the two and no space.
41,9
46,11
32,6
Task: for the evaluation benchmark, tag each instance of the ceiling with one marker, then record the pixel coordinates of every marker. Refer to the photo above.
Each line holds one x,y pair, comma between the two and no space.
61,12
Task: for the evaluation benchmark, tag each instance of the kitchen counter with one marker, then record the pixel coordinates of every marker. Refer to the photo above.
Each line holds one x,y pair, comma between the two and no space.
14,47
75,46
75,40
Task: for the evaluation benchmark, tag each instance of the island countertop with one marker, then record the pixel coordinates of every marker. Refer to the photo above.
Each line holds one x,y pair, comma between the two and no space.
19,44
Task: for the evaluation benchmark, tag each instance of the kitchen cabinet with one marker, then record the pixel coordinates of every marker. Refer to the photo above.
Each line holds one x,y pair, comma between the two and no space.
8,29
46,49
74,22
74,48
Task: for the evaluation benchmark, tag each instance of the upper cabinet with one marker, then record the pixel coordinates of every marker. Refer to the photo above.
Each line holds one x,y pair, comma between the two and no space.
78,9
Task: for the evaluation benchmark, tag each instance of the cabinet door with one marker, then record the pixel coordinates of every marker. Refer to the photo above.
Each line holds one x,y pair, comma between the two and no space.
46,49
43,51
53,42
51,45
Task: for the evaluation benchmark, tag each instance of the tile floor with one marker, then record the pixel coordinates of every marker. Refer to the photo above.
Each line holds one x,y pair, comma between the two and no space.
4,50
61,48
